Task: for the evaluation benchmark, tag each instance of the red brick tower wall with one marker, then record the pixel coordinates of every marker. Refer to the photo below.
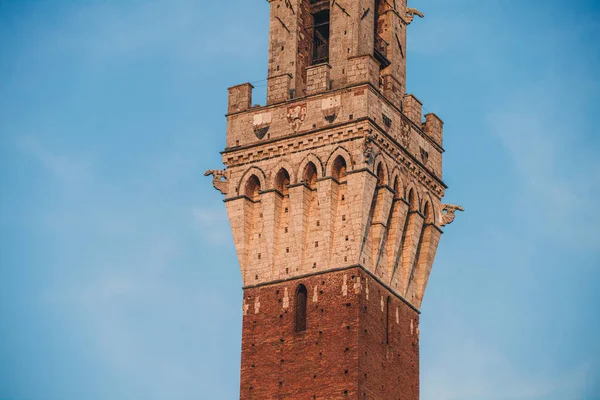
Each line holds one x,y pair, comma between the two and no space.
343,354
388,364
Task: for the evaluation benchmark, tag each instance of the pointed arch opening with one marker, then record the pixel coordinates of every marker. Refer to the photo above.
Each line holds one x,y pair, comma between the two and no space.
300,308
339,168
252,188
309,175
282,181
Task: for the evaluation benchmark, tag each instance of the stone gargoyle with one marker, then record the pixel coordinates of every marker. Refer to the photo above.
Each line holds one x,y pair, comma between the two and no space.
411,12
448,213
219,180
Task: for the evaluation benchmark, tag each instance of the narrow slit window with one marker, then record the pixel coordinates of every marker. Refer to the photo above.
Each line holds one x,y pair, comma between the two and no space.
301,298
387,320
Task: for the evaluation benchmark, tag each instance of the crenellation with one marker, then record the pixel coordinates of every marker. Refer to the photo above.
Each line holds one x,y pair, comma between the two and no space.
413,109
415,141
279,88
240,98
433,128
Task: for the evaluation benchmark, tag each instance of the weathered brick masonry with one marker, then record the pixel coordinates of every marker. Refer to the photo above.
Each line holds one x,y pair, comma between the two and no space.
334,193
348,350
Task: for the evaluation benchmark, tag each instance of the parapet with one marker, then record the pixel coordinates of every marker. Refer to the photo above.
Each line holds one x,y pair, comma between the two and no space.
433,125
393,89
240,98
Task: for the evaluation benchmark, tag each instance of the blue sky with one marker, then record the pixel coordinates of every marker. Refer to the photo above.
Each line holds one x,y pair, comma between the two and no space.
118,276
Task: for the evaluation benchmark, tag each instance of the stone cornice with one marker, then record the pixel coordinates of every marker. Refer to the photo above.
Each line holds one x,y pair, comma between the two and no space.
251,154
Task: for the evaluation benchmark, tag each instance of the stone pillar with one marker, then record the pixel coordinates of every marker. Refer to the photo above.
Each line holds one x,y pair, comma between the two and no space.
411,244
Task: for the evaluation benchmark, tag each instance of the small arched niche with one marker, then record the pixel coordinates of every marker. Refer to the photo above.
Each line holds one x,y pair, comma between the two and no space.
397,188
412,201
282,181
252,188
309,175
381,179
428,213
339,168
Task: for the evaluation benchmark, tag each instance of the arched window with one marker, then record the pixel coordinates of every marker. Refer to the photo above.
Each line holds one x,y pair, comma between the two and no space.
252,187
310,175
301,298
387,320
282,180
339,168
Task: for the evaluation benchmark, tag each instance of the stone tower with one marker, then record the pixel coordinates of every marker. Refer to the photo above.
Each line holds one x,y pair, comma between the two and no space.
333,191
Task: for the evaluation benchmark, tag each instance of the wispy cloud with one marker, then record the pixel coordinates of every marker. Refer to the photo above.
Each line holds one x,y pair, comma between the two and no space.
113,31
559,175
472,370
213,225
129,248
439,34
64,168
